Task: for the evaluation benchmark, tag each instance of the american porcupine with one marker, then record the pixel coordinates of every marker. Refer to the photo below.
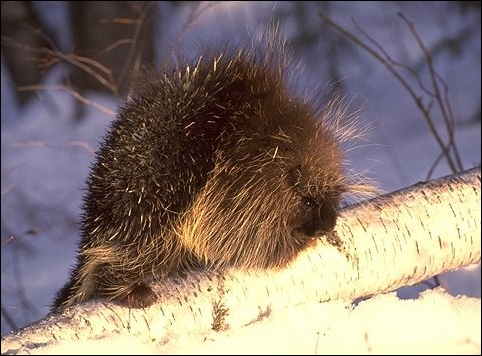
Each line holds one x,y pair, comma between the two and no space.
216,164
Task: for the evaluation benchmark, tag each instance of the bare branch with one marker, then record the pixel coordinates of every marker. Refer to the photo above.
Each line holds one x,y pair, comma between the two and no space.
379,53
444,105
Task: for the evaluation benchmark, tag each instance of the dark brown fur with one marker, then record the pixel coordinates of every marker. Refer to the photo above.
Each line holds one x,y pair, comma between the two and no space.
216,164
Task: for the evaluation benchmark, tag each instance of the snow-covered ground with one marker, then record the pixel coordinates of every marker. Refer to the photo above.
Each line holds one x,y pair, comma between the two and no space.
46,157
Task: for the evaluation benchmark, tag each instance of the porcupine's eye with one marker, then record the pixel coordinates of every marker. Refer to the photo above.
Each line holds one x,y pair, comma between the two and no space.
308,213
309,202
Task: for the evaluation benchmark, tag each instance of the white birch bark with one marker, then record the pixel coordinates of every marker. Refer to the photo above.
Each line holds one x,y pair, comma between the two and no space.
395,240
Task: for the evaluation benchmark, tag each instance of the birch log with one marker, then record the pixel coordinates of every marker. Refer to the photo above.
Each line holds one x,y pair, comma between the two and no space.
394,240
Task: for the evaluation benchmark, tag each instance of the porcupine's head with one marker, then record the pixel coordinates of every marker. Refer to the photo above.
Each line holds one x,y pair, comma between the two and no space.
278,176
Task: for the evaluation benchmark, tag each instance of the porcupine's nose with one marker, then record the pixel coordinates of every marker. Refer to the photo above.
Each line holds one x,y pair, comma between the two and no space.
322,223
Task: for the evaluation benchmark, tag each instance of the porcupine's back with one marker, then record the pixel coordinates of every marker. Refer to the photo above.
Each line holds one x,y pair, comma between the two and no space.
161,149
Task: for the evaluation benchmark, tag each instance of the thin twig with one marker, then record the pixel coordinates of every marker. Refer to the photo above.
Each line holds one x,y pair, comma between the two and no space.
72,92
195,14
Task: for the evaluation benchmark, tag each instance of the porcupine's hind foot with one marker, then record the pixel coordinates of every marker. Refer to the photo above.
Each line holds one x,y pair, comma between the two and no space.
96,280
139,296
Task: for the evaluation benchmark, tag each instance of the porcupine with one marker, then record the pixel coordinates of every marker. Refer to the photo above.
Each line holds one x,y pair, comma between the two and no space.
217,163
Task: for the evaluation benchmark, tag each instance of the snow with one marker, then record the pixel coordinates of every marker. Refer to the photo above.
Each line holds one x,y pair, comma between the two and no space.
435,323
46,158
